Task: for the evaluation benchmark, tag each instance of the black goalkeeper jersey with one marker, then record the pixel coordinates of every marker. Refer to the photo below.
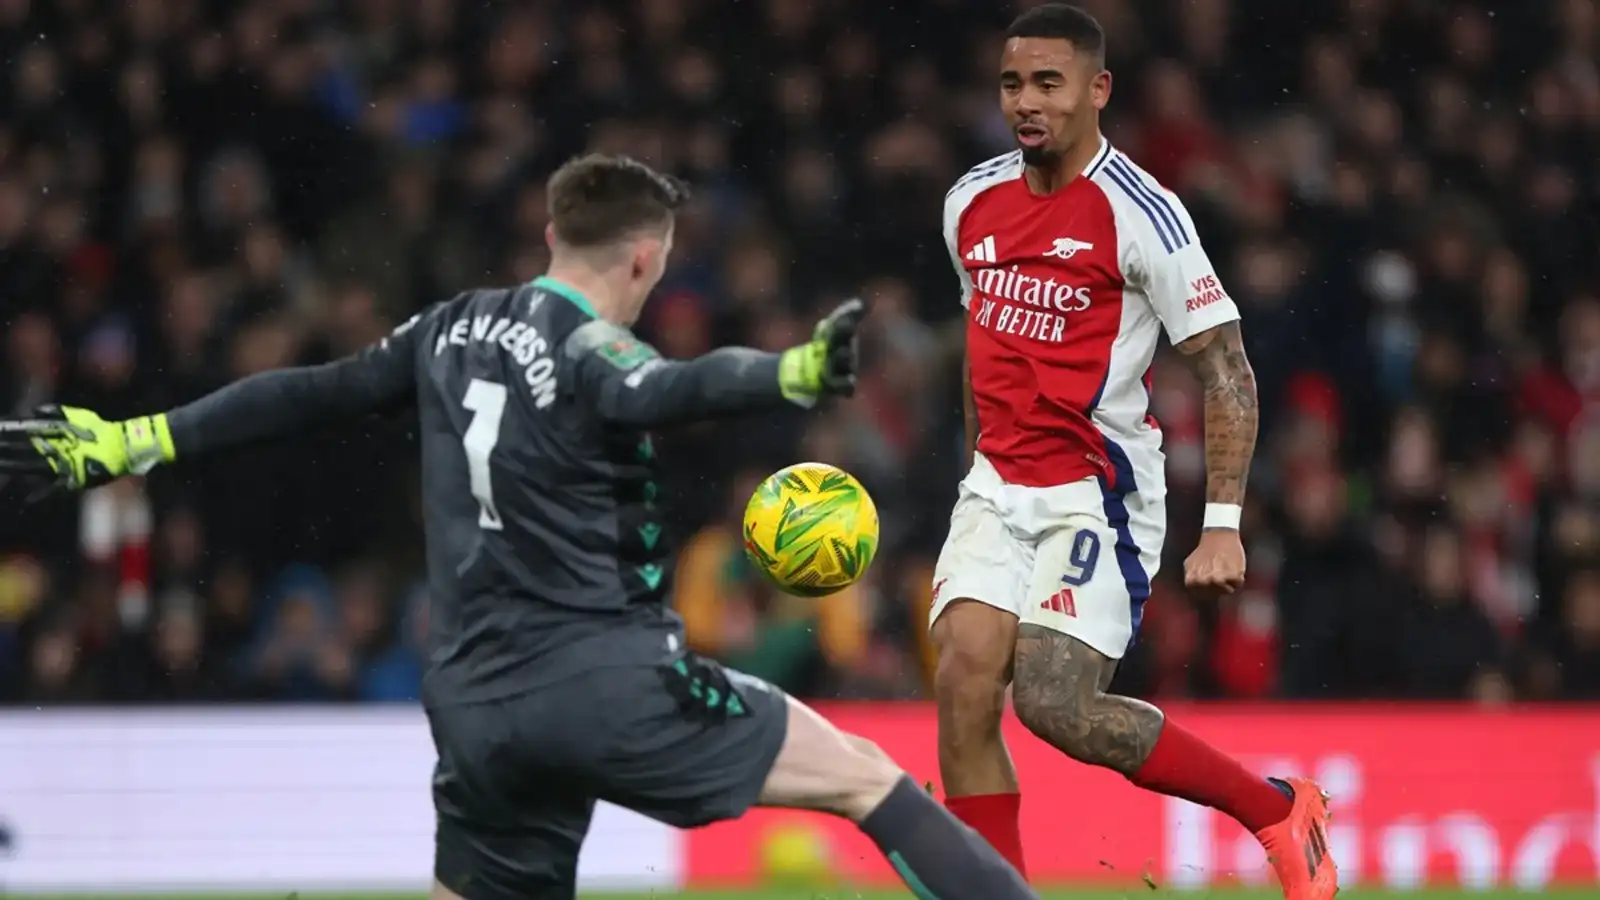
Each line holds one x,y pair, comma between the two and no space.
539,480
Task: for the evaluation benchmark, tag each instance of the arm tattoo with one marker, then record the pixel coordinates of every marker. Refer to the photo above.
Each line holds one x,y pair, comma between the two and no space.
1059,693
1217,358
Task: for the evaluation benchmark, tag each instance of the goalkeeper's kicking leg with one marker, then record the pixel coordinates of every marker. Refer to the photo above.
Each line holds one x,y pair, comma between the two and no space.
687,742
821,768
818,768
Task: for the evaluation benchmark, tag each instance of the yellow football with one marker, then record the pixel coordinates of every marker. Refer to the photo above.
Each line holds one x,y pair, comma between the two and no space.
811,529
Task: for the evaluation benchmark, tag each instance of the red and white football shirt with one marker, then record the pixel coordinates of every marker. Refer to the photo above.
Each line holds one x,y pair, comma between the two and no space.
1065,296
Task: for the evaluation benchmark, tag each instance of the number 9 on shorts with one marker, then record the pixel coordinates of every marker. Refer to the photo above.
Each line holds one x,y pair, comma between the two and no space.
1078,588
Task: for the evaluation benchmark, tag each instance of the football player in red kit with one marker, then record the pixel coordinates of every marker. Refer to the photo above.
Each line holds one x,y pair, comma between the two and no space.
1072,260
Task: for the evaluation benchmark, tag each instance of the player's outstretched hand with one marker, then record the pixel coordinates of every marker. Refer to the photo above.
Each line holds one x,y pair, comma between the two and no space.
827,364
1217,566
75,449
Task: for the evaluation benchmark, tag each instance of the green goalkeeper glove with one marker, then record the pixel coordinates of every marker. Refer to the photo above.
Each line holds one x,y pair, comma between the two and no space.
76,449
826,365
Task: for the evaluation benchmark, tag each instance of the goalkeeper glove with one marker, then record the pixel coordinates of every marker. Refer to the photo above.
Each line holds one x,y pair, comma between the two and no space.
76,449
826,365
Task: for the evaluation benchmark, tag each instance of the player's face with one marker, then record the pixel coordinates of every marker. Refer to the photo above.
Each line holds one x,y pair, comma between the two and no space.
1051,95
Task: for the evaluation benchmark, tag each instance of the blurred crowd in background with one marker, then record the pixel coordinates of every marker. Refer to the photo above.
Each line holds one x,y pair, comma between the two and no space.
1402,196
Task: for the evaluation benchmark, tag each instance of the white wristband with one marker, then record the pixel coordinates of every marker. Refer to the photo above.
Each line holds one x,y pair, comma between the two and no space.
1223,515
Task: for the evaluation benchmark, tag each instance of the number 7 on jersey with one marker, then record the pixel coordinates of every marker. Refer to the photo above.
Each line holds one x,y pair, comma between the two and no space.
487,403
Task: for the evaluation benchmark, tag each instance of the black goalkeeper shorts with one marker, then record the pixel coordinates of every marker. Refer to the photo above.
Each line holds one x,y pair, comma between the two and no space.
681,740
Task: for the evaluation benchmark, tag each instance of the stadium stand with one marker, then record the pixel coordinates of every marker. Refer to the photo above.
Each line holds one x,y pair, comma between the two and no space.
1402,198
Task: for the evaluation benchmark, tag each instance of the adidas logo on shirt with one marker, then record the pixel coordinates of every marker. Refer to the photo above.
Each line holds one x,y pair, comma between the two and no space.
983,251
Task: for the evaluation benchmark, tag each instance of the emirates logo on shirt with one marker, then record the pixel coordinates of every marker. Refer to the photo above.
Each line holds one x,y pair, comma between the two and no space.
1043,293
1034,307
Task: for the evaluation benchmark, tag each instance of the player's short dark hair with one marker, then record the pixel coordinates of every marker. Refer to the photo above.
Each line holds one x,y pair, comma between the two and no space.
599,199
1065,22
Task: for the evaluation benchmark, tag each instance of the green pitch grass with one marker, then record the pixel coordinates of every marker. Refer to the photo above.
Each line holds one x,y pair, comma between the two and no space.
1122,894
848,894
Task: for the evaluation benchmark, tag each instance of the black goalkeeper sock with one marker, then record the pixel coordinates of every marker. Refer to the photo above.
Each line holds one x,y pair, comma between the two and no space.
938,857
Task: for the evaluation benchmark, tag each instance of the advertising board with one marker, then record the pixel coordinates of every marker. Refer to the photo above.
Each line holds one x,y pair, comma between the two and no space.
314,800
338,799
1423,796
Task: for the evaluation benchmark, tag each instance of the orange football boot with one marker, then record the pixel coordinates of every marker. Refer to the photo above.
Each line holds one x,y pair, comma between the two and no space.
1297,847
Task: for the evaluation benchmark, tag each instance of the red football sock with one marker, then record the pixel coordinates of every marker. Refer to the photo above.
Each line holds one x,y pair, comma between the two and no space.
1182,765
995,817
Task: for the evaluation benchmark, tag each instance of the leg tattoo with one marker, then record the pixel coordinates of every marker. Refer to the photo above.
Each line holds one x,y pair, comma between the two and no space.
1059,693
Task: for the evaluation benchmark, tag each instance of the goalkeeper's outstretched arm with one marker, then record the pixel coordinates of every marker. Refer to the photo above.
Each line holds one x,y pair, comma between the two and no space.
287,402
77,449
624,380
627,382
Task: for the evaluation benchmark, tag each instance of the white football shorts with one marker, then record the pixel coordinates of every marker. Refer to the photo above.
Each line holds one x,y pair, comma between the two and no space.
1073,558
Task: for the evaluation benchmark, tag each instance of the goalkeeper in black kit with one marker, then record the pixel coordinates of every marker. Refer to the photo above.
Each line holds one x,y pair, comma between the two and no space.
556,674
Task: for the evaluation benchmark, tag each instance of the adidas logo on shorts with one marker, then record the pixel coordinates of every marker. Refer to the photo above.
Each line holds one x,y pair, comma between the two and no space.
1061,602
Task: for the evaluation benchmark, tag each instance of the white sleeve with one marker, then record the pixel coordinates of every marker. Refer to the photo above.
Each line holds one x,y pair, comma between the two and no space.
1166,259
954,205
